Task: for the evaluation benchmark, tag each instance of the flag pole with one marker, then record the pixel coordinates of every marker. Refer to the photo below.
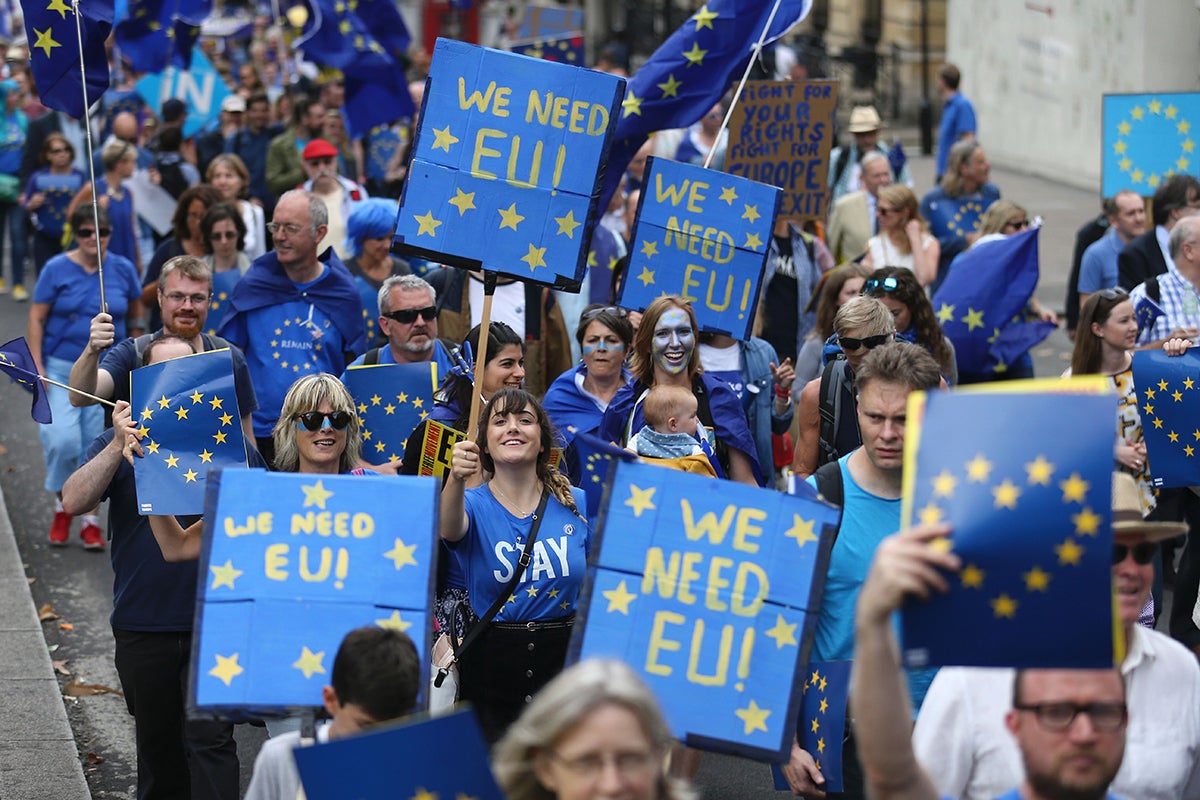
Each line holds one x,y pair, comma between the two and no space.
91,161
756,53
92,397
485,329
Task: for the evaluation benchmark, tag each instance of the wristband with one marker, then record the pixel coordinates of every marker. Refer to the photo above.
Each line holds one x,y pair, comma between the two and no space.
781,392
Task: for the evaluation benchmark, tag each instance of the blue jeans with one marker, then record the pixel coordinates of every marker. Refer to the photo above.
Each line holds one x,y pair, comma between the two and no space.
16,237
66,439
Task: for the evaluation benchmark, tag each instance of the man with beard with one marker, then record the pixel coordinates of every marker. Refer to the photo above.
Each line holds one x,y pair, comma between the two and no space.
184,292
408,318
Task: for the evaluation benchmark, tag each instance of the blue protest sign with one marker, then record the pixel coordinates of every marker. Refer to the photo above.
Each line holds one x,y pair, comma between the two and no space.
711,590
1168,396
1031,523
190,424
406,760
539,22
201,88
1146,138
704,235
507,163
391,400
290,564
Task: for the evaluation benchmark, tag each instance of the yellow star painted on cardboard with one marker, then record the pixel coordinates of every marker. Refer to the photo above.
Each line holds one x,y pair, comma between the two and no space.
426,224
316,495
509,218
227,668
401,554
536,257
753,718
641,499
463,201
783,632
567,224
753,242
394,622
619,598
802,531
309,663
225,575
646,276
649,248
751,213
443,138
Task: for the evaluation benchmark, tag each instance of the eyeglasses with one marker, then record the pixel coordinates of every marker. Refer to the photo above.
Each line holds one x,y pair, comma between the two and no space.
850,344
888,284
1113,293
291,228
1143,552
218,236
316,162
178,298
87,233
591,765
315,420
1020,224
1058,717
407,316
56,150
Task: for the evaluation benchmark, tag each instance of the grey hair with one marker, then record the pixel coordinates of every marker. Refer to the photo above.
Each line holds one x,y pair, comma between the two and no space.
560,706
1183,232
306,395
403,282
864,312
871,157
316,207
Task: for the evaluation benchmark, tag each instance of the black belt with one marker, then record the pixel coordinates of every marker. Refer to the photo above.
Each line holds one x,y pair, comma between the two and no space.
536,624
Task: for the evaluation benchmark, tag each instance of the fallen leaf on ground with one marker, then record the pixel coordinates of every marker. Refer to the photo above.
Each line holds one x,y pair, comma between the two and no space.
65,626
77,689
61,667
47,613
92,758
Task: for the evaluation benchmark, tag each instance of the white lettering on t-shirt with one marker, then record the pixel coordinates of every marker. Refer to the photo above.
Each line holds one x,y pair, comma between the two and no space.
501,549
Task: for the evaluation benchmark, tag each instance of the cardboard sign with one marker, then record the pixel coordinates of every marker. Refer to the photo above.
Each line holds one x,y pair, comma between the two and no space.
704,235
1146,138
201,88
711,591
508,164
290,564
781,133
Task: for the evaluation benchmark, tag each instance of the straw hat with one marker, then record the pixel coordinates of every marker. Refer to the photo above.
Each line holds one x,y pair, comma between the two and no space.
864,119
1127,513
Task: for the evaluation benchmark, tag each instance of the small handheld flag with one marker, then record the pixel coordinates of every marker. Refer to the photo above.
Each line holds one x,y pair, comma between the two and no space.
17,363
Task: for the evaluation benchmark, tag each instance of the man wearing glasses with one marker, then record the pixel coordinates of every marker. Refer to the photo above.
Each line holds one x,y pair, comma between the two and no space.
408,318
184,291
340,194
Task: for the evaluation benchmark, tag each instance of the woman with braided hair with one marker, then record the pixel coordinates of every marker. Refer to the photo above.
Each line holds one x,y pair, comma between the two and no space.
488,528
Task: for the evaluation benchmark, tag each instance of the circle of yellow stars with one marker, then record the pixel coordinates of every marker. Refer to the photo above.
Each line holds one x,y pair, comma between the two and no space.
1161,394
376,444
300,360
1161,117
181,410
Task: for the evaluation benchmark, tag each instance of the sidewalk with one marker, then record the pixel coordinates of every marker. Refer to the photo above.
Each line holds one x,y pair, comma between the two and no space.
38,758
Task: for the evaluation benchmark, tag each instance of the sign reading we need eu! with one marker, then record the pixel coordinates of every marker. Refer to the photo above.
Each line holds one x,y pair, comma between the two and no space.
508,163
711,590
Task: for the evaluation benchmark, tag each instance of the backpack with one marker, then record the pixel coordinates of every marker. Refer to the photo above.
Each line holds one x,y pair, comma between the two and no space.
174,182
210,343
835,376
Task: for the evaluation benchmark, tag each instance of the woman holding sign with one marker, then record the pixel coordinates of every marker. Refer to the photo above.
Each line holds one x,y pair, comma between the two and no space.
664,352
904,239
525,512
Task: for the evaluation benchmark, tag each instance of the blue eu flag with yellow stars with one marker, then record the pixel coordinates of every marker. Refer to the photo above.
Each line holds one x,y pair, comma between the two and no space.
690,72
565,50
1147,313
17,363
155,34
1025,480
1168,397
54,51
382,18
822,723
189,420
391,400
404,761
289,564
1147,138
981,303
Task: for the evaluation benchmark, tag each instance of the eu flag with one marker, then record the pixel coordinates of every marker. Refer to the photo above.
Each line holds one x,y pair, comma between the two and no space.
1026,482
405,760
565,50
588,458
689,73
155,34
822,723
17,363
1147,138
190,424
1147,313
54,51
1168,396
391,400
382,18
980,303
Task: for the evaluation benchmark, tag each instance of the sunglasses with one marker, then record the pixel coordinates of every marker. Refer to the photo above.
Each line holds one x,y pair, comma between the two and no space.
1020,224
616,311
1113,293
884,211
1143,553
850,344
87,233
320,161
885,284
407,316
217,236
315,420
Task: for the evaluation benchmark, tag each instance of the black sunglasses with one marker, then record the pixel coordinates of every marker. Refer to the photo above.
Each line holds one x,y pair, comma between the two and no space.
407,316
616,311
315,420
1143,553
87,233
1113,293
888,284
870,342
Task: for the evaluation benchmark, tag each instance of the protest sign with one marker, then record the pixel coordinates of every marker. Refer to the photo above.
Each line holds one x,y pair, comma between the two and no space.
391,400
1146,138
1168,398
200,87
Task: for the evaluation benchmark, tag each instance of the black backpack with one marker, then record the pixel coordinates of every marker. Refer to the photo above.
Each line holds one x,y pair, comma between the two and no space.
169,167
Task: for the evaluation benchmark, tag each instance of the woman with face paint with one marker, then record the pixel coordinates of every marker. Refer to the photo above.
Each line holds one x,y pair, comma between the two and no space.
664,352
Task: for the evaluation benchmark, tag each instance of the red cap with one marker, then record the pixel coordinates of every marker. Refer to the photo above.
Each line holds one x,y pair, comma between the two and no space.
319,148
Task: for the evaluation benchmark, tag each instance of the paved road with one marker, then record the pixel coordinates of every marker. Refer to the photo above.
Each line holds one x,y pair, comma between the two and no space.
78,584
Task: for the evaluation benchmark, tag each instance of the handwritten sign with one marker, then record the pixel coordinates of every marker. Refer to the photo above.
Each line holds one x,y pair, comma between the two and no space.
291,563
704,235
710,589
781,134
508,163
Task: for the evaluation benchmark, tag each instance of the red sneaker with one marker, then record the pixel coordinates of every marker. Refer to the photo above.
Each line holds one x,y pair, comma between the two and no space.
93,538
60,529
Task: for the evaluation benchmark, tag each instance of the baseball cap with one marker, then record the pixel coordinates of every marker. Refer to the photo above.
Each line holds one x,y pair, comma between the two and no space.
319,148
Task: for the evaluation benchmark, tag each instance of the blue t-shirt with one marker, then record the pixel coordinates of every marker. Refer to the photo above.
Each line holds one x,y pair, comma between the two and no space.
1098,268
958,117
124,240
51,216
73,295
495,538
223,283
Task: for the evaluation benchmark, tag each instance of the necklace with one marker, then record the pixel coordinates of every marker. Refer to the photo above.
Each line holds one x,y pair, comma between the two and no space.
511,502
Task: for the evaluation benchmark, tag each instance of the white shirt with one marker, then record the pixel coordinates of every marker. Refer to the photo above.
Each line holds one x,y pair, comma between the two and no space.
1163,236
961,741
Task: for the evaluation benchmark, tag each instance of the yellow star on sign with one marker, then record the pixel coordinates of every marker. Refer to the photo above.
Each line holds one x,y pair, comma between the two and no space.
1183,127
216,402
152,447
978,469
463,201
632,104
1036,580
801,531
206,456
163,402
1119,148
1006,495
1074,489
225,575
423,794
1124,128
783,632
930,515
1155,106
944,484
227,668
972,577
751,213
443,138
1171,111
509,218
394,622
1137,113
190,476
181,413
316,495
1087,523
649,249
60,6
1188,451
670,88
695,56
226,419
1137,176
426,224
309,663
401,554
147,414
536,257
567,224
196,397
1039,471
619,598
704,17
1068,552
46,41
728,195
974,319
753,242
646,276
821,743
1004,606
172,461
641,499
753,717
